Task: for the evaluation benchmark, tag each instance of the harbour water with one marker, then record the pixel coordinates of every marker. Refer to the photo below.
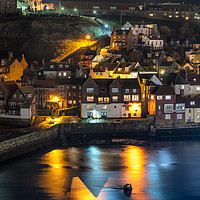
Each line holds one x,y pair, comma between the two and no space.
158,171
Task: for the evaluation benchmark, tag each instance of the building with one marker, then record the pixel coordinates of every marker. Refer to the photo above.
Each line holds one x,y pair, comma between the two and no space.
123,40
8,7
114,98
155,43
11,69
69,92
17,103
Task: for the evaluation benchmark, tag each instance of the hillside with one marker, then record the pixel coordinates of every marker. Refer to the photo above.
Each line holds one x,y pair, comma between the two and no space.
43,37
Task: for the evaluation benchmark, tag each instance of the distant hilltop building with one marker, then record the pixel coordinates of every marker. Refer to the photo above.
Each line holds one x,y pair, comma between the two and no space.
85,7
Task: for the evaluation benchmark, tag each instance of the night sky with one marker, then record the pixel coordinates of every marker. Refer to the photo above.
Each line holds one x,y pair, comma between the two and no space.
132,1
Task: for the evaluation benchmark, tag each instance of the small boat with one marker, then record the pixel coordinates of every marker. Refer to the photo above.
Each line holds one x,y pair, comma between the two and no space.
127,188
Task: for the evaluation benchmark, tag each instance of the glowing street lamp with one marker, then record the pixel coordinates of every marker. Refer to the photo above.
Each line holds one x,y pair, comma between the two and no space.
75,9
62,8
87,37
106,25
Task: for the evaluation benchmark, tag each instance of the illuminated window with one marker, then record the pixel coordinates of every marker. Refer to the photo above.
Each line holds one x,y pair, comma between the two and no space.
115,90
134,90
104,107
96,7
180,107
127,97
64,74
106,99
168,108
159,107
119,69
14,96
66,66
103,114
51,66
73,87
192,103
60,74
90,107
113,7
115,98
89,114
29,95
198,88
168,97
159,97
100,100
90,99
152,97
135,97
127,90
60,66
179,116
90,90
131,8
167,116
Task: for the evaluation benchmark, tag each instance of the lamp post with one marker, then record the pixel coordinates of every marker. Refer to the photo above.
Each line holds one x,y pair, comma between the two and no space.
88,38
106,27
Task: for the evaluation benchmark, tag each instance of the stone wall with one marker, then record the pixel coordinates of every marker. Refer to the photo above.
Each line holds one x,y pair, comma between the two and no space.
27,143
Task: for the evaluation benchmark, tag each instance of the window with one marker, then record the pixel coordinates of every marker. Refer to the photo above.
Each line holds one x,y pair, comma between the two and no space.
192,103
1,103
106,99
168,108
113,7
100,100
1,94
13,112
60,66
198,88
20,96
89,114
61,87
198,117
180,107
152,97
103,114
119,69
115,90
134,90
126,69
115,98
96,7
179,116
61,94
74,102
159,97
29,95
135,97
190,111
126,108
168,97
90,90
198,110
69,101
159,107
127,97
51,66
131,8
60,74
127,90
13,104
90,99
66,66
90,107
73,87
64,73
14,96
167,116
104,107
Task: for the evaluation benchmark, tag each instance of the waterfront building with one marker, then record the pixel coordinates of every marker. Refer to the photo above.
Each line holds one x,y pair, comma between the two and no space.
17,103
114,98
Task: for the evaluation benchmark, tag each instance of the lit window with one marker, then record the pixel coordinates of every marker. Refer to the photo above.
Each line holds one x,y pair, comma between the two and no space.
115,98
64,74
152,97
113,7
127,90
198,88
66,66
60,66
159,107
51,66
104,107
192,103
134,90
168,97
90,99
96,7
179,116
90,107
104,114
73,87
167,116
180,107
106,99
60,74
20,96
127,97
100,100
29,95
14,96
159,97
69,101
135,97
115,90
90,90
168,108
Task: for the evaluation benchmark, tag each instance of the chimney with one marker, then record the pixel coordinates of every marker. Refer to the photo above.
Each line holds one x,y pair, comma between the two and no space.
10,55
182,92
22,56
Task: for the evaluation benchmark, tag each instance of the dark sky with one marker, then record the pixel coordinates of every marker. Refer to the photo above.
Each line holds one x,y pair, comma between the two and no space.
132,1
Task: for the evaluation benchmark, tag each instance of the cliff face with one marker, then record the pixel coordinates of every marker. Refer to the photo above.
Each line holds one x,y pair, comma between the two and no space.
43,37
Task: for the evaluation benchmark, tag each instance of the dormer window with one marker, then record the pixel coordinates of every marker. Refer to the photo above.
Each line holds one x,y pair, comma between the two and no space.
60,66
29,95
52,66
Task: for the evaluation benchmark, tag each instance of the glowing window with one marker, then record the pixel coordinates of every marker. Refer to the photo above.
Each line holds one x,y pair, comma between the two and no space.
90,99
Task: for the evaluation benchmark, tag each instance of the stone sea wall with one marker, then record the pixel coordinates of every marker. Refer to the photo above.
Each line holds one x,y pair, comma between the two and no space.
27,143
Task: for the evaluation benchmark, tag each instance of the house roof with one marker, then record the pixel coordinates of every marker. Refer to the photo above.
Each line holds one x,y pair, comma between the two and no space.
9,87
120,32
166,63
28,90
126,68
176,79
70,81
193,79
195,99
45,83
164,90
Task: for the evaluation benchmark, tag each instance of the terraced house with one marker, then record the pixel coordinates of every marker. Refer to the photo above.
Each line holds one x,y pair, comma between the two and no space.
114,98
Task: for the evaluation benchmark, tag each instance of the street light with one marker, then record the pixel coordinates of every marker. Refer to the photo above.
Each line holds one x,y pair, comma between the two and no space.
106,28
88,38
94,11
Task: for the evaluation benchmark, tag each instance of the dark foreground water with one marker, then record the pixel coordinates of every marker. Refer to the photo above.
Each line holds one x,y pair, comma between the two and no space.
162,170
